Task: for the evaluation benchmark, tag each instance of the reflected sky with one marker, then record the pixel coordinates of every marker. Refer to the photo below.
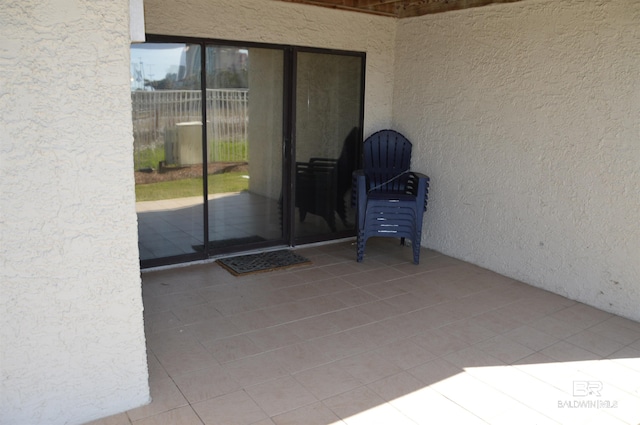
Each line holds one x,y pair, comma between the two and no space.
154,61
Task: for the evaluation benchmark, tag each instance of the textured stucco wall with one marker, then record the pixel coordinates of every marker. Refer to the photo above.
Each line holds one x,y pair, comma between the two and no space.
72,343
277,22
527,118
265,125
328,91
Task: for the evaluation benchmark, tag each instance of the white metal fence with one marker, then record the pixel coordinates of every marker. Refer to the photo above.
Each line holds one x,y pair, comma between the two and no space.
156,113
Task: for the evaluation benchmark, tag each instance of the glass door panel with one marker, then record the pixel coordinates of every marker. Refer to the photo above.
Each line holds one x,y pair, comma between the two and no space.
328,111
268,136
167,128
244,144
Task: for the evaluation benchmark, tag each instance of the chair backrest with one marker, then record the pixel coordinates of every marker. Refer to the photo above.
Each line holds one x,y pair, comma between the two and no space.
386,161
348,161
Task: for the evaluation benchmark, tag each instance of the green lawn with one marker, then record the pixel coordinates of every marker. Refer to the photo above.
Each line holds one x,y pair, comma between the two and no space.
219,151
218,183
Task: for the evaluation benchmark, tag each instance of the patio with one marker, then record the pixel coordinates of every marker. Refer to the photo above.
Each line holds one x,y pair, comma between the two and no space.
379,342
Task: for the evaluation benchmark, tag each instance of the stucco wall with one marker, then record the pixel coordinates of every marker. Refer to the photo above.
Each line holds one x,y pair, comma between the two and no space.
72,344
328,91
265,125
527,118
288,23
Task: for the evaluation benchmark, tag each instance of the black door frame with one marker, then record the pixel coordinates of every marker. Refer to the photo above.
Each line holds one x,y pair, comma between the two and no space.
288,146
301,240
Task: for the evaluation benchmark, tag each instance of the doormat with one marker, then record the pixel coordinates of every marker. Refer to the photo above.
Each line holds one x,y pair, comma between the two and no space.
223,243
262,262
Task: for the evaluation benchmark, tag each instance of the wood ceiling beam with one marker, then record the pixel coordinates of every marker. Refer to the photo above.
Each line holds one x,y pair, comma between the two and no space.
340,4
427,7
400,8
373,3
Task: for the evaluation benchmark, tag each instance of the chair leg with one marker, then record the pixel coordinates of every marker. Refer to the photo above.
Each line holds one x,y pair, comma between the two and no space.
360,246
415,244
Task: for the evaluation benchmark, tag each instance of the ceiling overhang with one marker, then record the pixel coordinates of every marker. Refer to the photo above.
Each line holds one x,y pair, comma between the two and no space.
400,8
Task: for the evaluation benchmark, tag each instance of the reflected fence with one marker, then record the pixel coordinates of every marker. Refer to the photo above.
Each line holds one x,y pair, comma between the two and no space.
167,126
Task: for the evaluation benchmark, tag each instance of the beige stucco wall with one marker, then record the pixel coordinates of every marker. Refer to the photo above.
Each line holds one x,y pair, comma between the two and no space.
527,118
265,123
72,346
328,91
278,22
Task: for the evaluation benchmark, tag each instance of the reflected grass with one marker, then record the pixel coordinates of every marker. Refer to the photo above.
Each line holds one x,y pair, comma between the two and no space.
184,188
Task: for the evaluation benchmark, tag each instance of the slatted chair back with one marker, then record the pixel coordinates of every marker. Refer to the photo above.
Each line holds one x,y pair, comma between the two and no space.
386,160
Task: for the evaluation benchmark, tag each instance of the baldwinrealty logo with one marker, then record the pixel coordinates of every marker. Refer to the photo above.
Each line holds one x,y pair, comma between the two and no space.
588,395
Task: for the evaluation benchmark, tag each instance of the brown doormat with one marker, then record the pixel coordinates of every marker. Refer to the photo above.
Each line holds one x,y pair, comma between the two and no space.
263,262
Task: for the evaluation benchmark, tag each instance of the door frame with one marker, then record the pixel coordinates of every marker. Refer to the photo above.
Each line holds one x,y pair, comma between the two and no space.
288,143
302,240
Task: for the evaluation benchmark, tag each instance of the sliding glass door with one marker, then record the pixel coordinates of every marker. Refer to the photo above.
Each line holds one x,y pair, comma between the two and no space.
167,130
244,140
328,116
241,146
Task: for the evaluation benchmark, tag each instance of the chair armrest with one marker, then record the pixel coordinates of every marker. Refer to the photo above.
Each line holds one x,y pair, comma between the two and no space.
358,184
418,185
415,174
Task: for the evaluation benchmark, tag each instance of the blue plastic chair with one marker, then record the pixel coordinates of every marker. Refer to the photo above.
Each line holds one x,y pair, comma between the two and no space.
390,199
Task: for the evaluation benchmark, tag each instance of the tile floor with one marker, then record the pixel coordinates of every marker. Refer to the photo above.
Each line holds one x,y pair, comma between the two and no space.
173,226
380,342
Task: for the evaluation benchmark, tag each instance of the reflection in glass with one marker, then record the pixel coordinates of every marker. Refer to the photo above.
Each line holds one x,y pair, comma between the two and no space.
167,129
244,143
328,97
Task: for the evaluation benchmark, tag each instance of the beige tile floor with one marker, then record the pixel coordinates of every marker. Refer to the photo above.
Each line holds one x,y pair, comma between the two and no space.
173,226
380,342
